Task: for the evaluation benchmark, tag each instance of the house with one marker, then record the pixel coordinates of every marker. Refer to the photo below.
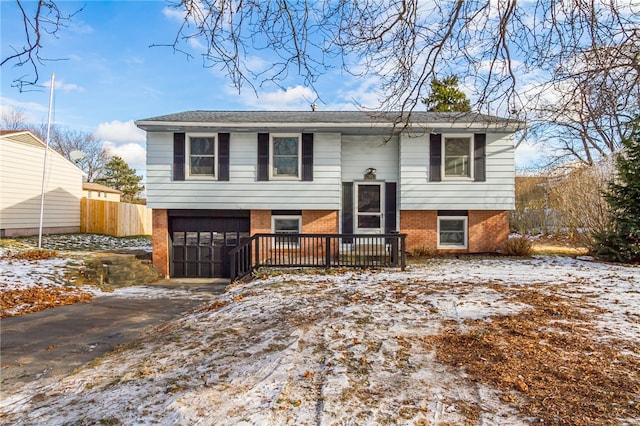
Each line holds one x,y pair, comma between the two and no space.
217,177
95,191
22,157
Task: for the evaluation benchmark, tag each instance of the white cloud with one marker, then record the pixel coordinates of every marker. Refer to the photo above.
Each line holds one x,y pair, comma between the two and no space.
65,87
528,155
291,99
134,154
118,131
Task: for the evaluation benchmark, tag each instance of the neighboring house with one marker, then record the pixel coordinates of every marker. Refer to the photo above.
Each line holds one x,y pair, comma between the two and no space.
214,177
21,179
95,191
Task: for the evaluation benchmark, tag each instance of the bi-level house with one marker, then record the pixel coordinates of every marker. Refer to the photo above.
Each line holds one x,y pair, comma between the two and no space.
214,178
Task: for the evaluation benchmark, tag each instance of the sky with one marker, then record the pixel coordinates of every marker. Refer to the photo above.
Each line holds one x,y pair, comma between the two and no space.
107,75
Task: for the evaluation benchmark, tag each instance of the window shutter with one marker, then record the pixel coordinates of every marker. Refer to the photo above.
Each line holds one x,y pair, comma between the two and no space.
263,157
178,156
347,210
307,156
223,156
390,207
435,160
479,157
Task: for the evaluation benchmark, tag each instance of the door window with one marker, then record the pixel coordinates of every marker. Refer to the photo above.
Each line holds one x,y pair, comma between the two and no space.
369,207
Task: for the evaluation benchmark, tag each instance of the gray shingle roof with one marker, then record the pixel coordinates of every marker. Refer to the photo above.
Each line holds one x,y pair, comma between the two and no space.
345,122
337,117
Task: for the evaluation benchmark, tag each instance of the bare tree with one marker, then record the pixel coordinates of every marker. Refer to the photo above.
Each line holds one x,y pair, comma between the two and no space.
576,47
64,141
14,119
45,18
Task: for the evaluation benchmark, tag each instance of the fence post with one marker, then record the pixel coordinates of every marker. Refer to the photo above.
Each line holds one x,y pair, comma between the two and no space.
327,252
403,252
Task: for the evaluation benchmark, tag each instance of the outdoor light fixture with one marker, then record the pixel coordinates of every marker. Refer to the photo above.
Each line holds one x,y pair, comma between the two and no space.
370,174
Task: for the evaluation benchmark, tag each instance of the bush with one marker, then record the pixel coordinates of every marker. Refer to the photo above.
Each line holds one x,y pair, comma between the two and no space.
423,251
517,246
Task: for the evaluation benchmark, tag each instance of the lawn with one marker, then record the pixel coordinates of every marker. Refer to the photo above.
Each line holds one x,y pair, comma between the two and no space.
472,341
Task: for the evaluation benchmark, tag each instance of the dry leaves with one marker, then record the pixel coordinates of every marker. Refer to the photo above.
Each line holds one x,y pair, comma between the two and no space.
546,361
14,302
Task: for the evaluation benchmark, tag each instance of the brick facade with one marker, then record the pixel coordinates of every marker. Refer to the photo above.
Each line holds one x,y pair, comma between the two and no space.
320,221
160,241
421,227
487,229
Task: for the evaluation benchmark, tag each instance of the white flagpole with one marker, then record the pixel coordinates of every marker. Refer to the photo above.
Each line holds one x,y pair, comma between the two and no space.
44,166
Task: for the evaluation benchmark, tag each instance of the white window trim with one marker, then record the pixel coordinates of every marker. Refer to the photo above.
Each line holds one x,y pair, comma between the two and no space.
288,217
471,156
187,161
466,233
285,135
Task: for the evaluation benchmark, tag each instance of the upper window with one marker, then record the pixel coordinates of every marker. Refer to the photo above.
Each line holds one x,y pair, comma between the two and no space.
285,225
285,156
201,156
456,161
452,232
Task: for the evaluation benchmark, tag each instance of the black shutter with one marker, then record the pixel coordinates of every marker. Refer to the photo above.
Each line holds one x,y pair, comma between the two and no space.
263,157
435,160
178,156
223,156
347,210
307,156
479,157
390,207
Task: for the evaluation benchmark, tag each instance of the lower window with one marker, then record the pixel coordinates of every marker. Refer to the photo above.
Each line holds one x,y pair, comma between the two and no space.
452,232
284,225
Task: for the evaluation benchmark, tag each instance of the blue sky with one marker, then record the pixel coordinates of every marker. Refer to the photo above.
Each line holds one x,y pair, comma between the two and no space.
107,76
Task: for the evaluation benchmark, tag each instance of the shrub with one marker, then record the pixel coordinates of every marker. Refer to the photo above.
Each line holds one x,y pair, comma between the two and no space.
423,251
517,246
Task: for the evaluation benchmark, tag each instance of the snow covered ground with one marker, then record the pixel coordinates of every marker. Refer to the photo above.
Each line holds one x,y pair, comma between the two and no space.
371,347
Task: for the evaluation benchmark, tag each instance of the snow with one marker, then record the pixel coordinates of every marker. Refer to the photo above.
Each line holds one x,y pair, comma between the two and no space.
343,347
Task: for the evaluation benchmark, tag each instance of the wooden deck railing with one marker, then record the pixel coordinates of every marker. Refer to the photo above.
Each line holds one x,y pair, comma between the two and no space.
317,251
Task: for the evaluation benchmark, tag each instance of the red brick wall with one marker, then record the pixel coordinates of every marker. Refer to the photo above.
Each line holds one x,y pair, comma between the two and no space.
160,241
487,229
420,226
320,221
260,222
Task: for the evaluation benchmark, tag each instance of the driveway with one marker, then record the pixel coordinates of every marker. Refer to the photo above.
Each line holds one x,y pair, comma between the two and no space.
56,341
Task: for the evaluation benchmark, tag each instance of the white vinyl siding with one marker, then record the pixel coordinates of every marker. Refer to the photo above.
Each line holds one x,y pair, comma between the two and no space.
21,184
243,191
360,153
418,193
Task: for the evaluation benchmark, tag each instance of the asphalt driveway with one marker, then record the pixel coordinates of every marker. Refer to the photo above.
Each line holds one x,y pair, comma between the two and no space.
56,341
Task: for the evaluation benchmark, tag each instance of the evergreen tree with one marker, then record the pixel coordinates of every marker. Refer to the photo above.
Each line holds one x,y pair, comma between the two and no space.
446,96
118,175
622,242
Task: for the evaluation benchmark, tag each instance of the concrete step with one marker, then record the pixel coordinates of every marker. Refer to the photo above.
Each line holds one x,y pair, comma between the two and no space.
120,270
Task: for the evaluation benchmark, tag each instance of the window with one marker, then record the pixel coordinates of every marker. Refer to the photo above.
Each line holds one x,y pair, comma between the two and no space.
456,161
285,156
452,232
286,225
201,156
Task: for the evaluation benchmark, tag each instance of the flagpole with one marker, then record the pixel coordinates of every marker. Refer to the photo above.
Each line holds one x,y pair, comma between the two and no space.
44,166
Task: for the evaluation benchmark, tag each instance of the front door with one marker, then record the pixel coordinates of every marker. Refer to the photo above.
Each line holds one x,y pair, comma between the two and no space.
369,208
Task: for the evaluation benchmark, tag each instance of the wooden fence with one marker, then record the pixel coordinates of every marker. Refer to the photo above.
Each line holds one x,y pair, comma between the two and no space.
112,218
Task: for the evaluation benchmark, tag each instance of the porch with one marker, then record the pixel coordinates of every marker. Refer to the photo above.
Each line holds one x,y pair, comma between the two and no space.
318,251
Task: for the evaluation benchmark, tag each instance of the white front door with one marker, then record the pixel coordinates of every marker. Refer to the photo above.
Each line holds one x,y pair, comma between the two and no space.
369,208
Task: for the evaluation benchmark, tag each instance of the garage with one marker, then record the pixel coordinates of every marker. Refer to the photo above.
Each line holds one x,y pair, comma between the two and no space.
200,241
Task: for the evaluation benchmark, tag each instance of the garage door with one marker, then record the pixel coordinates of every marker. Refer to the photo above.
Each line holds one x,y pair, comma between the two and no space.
201,241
